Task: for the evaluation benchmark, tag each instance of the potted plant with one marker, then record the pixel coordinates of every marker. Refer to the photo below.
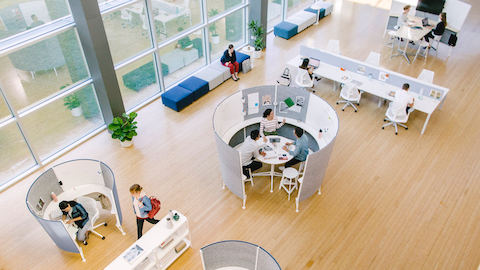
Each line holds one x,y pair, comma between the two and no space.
124,128
257,33
73,104
213,27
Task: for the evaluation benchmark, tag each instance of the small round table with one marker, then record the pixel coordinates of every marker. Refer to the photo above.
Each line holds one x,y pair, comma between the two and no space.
273,148
249,50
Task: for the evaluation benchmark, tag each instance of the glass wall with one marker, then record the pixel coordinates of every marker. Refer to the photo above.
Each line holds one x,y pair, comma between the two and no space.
46,81
274,14
297,5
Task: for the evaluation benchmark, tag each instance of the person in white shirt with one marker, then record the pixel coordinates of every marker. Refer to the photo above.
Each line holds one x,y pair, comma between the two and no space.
269,124
403,101
248,151
403,19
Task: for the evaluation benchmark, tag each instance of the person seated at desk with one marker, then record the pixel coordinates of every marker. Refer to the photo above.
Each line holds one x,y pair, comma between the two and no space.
439,29
248,151
403,19
141,206
403,101
229,59
77,214
305,65
301,148
269,124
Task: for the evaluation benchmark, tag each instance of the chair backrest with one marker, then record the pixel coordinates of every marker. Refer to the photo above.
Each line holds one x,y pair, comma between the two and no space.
90,206
303,79
333,46
392,114
426,75
350,92
373,58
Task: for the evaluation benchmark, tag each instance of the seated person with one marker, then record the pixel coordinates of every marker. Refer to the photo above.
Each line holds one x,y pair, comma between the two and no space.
403,101
309,69
78,215
269,124
403,19
248,151
301,148
229,59
439,29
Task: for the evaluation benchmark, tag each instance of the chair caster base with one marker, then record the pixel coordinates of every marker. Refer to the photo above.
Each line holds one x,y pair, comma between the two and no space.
343,110
105,224
103,237
355,110
406,128
85,243
396,133
383,128
384,120
337,103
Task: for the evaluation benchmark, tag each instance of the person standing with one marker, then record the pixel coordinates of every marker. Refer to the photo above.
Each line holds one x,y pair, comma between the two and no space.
301,148
73,212
269,124
229,59
248,151
141,206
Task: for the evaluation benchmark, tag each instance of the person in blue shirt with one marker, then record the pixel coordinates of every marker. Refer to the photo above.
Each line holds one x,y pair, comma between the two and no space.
77,214
141,206
301,148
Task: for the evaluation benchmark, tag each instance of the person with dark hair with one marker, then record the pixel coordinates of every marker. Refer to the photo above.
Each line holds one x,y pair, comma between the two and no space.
309,69
269,124
403,101
439,29
229,59
301,148
248,151
73,212
141,206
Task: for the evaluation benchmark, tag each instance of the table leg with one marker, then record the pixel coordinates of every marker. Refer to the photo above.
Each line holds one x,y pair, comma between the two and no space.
405,51
426,122
271,177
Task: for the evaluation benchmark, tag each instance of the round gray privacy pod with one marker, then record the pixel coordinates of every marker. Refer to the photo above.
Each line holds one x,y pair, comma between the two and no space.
68,181
238,114
234,254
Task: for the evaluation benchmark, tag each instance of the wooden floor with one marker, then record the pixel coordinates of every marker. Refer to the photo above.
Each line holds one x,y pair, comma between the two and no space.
388,202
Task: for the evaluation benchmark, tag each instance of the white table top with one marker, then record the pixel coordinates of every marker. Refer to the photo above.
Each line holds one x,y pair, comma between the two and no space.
248,49
272,157
414,34
372,86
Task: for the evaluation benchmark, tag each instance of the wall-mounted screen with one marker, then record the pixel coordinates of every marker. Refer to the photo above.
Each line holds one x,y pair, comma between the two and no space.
431,6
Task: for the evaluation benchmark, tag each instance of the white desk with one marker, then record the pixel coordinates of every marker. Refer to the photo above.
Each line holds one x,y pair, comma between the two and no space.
413,31
371,86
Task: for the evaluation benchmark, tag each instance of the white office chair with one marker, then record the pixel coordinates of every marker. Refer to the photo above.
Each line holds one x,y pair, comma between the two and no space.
392,35
373,59
425,46
426,75
396,120
90,206
349,95
289,180
245,179
303,79
333,46
436,39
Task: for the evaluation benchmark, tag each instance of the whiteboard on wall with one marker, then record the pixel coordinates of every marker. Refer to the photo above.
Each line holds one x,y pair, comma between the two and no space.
457,12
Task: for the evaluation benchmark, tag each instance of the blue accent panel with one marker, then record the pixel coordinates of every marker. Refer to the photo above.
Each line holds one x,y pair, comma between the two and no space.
195,85
177,98
285,30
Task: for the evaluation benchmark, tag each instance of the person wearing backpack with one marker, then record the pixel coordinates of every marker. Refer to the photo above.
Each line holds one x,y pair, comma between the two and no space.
142,205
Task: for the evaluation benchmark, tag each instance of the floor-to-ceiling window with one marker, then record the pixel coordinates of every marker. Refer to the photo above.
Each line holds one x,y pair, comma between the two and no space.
47,98
274,14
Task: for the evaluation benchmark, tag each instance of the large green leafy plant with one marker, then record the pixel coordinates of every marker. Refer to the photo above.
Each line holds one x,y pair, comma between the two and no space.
257,33
124,127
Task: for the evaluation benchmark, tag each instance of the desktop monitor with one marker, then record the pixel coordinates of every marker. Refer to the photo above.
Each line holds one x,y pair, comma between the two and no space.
431,6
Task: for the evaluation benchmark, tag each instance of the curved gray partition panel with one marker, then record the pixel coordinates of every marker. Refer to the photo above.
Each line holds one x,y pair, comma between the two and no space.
234,253
317,163
109,179
230,167
59,234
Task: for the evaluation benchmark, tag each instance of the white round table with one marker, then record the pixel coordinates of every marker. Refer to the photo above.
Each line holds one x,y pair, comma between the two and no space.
249,50
274,152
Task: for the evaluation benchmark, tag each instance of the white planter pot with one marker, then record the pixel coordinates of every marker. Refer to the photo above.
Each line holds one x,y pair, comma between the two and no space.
76,112
215,39
126,144
257,54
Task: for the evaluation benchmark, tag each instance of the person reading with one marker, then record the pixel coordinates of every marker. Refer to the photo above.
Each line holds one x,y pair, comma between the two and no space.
73,212
248,151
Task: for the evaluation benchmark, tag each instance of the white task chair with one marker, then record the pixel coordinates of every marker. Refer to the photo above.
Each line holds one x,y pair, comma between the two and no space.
90,206
373,59
333,46
395,120
303,79
289,180
245,179
425,46
436,39
426,76
392,35
350,95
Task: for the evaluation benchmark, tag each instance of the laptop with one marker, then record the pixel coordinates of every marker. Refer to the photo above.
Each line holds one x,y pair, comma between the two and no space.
314,63
425,22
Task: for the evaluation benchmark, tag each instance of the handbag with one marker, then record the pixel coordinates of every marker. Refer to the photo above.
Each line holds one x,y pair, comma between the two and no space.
156,204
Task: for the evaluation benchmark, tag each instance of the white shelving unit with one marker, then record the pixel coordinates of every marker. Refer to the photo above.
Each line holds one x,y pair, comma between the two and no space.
161,247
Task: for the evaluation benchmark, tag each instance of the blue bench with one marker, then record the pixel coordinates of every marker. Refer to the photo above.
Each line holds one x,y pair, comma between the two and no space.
240,58
321,14
177,98
197,86
285,30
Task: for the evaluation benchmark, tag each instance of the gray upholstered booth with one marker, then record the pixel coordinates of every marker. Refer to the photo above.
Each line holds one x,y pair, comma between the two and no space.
234,254
69,181
237,114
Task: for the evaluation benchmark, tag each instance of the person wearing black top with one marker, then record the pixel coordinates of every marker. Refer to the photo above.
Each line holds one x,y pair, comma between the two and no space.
229,59
439,29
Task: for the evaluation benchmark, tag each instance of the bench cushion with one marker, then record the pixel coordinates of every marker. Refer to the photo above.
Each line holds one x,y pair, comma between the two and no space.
285,30
303,19
213,76
195,85
321,14
177,98
218,66
241,57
